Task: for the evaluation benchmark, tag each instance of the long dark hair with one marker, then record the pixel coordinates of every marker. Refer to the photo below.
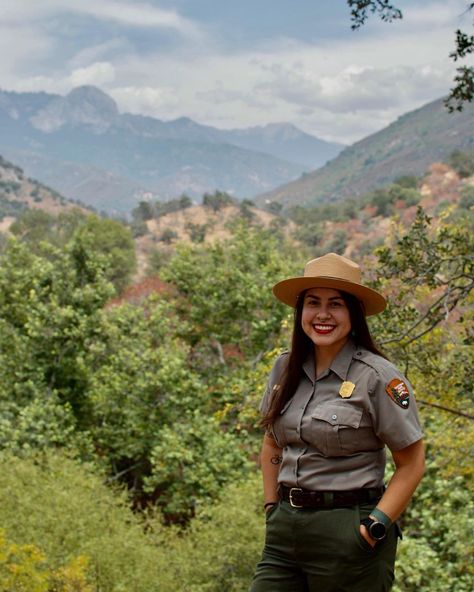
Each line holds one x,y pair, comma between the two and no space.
302,346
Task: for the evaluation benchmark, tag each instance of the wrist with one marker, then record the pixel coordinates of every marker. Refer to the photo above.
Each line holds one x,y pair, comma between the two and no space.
268,505
380,516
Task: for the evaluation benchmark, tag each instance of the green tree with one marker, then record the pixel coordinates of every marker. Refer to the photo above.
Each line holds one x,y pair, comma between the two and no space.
462,162
49,309
385,198
467,197
143,212
168,236
428,274
217,200
311,234
33,226
185,202
113,240
225,289
197,232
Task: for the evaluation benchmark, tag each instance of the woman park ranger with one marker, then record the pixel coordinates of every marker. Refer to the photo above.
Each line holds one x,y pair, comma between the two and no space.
332,405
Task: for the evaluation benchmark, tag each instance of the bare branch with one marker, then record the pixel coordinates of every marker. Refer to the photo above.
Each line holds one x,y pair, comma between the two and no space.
446,303
448,409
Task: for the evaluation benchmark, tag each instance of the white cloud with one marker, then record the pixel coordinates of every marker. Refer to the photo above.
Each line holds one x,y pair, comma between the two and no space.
436,14
98,74
18,45
338,90
144,100
134,14
109,49
356,88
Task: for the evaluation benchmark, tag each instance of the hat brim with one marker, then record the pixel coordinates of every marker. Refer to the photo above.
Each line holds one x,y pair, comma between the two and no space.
287,291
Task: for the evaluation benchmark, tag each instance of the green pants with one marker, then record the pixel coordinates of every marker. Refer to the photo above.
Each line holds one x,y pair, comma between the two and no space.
318,550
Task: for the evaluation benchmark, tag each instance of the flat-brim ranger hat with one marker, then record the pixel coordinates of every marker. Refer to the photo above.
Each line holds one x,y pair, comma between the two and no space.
331,271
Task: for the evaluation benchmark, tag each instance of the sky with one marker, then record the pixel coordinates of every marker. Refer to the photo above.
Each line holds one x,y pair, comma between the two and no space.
236,64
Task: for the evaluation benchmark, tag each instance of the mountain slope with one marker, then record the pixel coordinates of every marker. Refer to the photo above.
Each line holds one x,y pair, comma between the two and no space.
406,147
62,140
91,185
19,193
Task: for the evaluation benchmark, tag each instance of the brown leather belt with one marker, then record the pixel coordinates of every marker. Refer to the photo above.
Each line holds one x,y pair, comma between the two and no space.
304,498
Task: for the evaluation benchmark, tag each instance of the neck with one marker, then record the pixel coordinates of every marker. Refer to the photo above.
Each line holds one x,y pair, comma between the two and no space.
326,355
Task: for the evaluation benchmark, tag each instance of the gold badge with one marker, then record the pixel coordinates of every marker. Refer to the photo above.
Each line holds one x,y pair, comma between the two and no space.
346,390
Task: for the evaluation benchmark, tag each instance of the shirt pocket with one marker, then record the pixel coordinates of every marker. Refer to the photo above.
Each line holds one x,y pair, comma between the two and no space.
335,429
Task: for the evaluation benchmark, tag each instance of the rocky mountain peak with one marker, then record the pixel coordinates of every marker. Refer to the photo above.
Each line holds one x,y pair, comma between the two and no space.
286,131
92,98
84,105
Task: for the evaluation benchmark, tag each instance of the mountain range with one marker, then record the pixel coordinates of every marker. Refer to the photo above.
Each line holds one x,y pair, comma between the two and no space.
81,145
406,147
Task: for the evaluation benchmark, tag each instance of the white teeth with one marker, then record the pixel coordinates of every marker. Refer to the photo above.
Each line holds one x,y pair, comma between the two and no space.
324,327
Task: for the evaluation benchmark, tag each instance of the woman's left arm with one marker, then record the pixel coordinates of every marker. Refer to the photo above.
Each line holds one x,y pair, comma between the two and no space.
409,470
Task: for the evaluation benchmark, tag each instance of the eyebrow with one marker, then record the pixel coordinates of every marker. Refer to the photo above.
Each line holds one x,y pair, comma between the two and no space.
319,298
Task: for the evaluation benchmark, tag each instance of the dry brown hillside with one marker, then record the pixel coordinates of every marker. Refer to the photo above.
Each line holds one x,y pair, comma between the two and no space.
195,223
440,188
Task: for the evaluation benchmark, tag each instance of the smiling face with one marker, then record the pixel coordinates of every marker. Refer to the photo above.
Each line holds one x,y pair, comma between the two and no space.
325,319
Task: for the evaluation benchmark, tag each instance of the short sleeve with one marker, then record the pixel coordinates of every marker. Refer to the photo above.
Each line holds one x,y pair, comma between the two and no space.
273,382
395,414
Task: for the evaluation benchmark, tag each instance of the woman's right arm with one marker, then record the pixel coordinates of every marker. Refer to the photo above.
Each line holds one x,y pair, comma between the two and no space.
270,461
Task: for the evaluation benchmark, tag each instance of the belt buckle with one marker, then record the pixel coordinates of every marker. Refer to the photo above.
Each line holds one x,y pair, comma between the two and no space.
290,496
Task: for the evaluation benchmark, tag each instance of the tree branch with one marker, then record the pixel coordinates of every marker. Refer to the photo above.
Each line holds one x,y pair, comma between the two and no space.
444,302
448,409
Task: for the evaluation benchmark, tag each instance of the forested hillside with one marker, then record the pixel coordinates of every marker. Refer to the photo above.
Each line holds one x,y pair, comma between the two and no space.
129,428
406,147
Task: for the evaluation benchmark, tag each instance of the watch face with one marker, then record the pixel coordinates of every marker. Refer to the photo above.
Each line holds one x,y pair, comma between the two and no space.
377,531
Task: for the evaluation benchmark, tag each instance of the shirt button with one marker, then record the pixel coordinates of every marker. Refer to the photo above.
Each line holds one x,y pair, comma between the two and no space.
334,416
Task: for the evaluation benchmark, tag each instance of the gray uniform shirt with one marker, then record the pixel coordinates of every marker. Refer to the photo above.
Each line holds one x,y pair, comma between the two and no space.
331,442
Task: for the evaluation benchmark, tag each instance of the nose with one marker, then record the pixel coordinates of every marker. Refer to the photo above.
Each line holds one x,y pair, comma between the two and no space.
323,313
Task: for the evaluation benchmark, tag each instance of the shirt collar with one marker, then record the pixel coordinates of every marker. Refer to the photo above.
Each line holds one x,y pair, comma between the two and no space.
309,367
340,364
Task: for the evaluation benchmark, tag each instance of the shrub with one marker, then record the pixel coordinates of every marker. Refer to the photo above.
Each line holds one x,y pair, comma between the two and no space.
467,197
462,162
52,503
56,512
168,236
221,548
22,569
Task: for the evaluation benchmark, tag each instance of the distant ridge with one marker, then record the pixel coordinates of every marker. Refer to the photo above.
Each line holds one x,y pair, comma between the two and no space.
406,147
81,145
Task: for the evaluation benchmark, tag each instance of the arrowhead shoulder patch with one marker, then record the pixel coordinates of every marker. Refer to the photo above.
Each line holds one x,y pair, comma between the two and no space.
398,392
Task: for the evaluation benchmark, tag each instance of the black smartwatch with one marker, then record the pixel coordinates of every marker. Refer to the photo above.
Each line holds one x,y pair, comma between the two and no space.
377,530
